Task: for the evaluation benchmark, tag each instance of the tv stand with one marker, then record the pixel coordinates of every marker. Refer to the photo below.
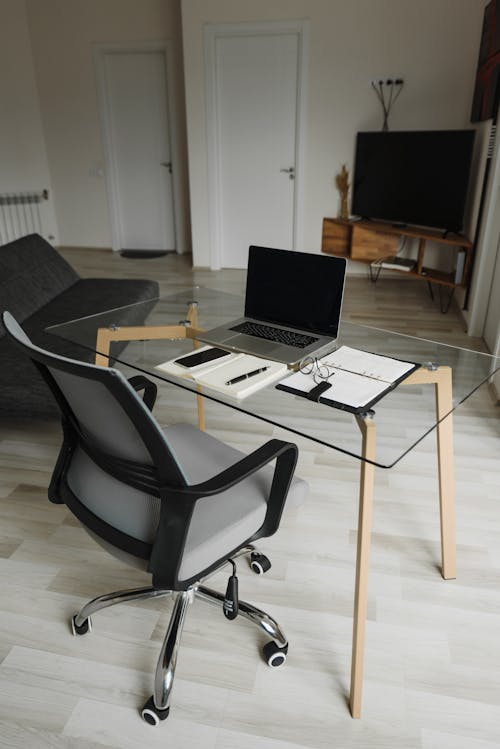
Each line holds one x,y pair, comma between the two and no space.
368,241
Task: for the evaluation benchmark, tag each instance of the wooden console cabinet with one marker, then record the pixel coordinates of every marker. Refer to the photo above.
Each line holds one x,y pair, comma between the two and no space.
366,241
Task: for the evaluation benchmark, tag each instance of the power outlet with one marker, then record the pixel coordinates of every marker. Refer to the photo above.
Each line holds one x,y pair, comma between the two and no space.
396,81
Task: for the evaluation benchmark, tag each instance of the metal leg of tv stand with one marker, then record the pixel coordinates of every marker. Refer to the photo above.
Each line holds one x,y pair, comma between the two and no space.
374,274
444,302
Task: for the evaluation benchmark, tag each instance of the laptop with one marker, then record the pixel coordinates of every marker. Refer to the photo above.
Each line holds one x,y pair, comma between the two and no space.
293,302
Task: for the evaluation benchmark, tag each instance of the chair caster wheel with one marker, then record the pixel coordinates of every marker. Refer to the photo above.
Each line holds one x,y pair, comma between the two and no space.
152,715
259,563
83,628
274,655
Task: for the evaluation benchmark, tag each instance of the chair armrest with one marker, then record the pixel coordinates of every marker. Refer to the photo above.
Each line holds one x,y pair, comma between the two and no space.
179,503
139,382
244,468
285,454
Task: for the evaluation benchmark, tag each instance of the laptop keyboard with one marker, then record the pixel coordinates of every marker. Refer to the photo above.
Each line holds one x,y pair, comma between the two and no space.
288,337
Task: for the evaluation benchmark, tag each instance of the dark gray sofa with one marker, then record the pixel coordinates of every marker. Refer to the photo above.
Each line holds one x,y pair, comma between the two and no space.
40,288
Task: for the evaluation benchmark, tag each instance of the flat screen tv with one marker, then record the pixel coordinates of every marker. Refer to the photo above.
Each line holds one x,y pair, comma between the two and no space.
413,177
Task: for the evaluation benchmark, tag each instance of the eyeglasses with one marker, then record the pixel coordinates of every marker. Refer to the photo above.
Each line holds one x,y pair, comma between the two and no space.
320,371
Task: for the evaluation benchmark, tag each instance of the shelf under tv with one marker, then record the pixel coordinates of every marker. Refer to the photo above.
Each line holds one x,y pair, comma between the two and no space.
434,235
369,241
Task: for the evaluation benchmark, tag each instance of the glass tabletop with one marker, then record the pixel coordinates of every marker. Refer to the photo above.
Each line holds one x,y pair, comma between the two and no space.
403,417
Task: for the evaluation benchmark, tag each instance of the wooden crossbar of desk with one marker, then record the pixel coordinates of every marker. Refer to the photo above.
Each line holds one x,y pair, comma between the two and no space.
106,336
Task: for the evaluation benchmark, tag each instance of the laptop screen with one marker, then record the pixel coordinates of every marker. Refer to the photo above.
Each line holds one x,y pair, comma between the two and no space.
296,289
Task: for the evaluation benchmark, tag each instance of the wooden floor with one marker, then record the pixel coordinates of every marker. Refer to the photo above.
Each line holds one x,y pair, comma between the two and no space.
432,670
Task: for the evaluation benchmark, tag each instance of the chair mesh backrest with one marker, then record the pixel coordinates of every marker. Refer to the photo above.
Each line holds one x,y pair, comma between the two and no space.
106,423
101,416
115,420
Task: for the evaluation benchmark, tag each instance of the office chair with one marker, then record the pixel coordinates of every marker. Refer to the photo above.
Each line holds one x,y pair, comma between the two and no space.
174,502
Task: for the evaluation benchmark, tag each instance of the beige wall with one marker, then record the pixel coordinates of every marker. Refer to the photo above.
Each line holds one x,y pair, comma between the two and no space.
63,35
23,160
432,44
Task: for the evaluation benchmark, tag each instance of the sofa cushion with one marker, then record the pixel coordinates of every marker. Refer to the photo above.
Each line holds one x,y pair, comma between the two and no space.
23,393
90,296
22,390
32,273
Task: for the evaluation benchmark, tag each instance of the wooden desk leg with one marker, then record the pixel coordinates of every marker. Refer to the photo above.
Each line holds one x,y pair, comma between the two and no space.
201,412
193,319
367,474
103,343
444,405
441,378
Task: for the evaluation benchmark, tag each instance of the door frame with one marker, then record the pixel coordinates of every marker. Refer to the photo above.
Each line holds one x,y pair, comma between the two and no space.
111,174
489,242
211,34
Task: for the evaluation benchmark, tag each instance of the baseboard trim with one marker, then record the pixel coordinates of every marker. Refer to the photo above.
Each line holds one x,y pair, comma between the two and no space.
70,248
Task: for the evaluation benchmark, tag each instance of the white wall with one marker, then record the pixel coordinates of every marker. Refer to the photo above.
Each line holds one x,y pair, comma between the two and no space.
23,159
432,44
63,35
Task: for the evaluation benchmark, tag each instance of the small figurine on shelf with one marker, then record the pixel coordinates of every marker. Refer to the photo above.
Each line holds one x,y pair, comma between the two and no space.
342,182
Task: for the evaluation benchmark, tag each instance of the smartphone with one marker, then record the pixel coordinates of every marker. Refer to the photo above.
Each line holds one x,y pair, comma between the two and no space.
202,357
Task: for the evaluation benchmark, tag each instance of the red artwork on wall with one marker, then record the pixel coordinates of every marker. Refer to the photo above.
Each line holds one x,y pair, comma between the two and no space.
487,90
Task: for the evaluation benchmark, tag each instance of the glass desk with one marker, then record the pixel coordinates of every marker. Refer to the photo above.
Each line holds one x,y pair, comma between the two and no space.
143,335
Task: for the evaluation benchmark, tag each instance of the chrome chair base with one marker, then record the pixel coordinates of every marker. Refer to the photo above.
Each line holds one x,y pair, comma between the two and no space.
157,707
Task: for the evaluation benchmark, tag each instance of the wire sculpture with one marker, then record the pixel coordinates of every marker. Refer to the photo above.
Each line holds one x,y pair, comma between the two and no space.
387,96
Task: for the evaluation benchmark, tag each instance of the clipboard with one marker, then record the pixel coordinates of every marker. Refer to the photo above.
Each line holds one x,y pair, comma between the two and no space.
347,389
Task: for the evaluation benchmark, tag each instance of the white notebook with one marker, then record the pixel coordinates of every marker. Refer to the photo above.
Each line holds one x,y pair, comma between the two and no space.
220,373
262,372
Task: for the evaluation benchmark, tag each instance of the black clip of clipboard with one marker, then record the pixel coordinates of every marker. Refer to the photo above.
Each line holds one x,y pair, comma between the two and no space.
317,392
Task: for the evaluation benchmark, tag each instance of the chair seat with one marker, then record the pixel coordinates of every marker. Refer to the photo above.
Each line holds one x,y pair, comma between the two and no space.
220,522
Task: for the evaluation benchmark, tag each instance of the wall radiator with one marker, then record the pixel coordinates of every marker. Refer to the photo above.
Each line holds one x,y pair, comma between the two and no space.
20,214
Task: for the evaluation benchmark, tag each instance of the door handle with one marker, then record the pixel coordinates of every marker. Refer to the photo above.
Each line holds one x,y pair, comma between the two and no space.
168,165
290,171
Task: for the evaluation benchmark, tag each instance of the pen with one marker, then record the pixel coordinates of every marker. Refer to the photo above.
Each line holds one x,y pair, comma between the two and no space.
245,376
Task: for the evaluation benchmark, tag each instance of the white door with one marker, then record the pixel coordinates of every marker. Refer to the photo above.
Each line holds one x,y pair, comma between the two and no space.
255,108
135,86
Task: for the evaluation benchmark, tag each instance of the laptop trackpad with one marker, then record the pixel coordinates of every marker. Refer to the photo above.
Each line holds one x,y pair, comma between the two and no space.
258,346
